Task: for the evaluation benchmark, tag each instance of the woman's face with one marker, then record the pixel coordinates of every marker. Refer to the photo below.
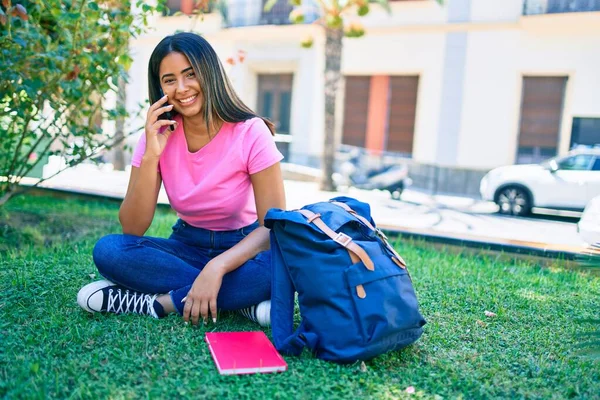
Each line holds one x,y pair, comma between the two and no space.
178,81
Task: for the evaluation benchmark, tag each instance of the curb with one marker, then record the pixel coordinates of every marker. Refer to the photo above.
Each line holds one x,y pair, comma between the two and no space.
517,247
61,192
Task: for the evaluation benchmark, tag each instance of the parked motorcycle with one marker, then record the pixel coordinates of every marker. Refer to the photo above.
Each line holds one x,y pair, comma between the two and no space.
355,172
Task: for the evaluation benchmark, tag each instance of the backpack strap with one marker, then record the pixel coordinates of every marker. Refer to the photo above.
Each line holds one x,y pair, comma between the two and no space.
341,238
397,258
357,215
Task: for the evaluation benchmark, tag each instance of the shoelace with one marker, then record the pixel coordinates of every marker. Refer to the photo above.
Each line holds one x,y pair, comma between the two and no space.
138,303
250,313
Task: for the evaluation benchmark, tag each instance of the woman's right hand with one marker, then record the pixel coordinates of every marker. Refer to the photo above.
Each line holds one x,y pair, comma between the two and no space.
155,141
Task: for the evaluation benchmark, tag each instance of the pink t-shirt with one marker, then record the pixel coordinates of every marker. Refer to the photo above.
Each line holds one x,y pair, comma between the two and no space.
211,188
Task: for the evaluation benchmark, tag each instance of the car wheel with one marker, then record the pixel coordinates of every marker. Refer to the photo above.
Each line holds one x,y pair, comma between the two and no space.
513,200
396,192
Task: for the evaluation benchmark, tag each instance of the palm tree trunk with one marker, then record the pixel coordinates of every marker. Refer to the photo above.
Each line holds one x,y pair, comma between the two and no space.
333,60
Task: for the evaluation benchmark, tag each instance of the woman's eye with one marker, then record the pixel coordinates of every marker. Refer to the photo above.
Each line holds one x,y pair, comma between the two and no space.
168,81
191,75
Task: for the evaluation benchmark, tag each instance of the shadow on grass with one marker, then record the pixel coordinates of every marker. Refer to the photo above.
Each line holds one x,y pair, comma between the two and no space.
22,229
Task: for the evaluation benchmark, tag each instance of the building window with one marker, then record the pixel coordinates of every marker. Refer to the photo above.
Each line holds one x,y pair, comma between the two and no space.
585,131
403,109
541,115
173,6
356,105
535,154
275,103
379,112
187,6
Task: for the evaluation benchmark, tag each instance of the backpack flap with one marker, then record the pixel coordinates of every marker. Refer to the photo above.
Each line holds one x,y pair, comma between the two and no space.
328,212
363,209
275,215
330,215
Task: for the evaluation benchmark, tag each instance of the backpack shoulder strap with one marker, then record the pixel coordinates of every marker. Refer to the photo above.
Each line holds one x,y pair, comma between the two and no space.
341,238
357,215
397,258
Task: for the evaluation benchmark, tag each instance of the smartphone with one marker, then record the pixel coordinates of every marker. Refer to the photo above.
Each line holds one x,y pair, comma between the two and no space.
169,115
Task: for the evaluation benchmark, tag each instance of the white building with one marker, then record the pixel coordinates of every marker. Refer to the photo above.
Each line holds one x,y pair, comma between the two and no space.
472,85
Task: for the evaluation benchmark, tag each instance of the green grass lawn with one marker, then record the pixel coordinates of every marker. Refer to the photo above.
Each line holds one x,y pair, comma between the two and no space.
49,347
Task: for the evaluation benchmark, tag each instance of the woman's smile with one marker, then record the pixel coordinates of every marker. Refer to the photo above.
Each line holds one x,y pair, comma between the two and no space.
188,100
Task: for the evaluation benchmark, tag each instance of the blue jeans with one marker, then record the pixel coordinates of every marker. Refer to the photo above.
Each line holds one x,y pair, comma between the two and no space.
157,265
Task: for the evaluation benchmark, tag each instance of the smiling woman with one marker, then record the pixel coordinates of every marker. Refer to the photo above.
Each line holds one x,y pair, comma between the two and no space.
220,169
185,65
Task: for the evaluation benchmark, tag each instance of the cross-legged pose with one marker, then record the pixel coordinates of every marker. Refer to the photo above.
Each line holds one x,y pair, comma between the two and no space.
220,168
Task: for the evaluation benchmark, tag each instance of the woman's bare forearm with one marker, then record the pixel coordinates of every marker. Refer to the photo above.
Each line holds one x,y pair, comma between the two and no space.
138,207
246,249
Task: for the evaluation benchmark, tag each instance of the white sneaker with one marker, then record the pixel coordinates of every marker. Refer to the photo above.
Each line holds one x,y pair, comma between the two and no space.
105,296
260,313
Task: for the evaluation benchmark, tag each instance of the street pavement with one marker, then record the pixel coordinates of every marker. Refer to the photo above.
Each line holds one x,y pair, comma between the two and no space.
416,212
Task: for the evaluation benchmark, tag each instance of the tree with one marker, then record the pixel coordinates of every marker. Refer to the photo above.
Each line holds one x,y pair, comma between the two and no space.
119,150
333,13
195,10
58,59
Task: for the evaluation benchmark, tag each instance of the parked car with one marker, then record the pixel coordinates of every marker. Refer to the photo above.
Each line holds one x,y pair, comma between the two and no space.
567,182
589,224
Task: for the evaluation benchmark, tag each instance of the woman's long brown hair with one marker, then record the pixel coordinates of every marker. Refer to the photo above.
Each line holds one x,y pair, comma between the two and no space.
220,100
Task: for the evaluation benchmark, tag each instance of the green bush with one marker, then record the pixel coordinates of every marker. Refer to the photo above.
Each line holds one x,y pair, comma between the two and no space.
58,59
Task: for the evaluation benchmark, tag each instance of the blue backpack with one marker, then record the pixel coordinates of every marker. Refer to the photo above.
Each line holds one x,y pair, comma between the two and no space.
355,295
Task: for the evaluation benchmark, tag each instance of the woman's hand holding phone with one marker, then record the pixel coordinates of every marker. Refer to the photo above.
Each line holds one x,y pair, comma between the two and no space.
156,141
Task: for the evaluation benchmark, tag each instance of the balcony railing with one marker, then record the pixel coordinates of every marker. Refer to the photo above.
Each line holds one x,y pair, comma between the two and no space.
278,15
533,7
239,13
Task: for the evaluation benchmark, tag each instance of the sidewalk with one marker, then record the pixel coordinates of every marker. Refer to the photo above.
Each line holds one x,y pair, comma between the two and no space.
441,218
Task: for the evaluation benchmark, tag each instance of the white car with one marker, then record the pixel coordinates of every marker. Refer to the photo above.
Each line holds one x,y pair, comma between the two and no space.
589,224
566,182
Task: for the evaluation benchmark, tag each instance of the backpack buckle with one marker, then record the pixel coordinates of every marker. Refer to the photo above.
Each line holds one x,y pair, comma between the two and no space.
399,261
342,239
313,217
381,235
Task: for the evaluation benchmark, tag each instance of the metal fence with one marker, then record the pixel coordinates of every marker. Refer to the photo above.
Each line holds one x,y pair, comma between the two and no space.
278,15
435,179
238,13
533,7
428,178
